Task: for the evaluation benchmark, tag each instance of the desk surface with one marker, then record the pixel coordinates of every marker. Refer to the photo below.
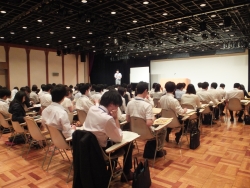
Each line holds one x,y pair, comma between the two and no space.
156,111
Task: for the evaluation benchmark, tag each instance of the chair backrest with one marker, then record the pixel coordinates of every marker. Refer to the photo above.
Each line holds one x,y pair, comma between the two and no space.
34,130
4,122
156,102
57,138
81,115
71,116
234,104
171,114
188,106
16,126
139,126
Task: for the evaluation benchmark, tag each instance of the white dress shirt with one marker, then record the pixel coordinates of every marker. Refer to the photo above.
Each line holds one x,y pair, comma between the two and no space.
118,76
198,90
206,96
235,93
102,125
55,115
84,103
45,99
4,108
222,93
215,94
168,102
157,95
34,97
138,107
66,104
96,96
123,107
13,93
77,95
191,99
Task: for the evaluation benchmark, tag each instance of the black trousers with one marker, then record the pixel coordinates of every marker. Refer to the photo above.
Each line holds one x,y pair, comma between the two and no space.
241,112
180,132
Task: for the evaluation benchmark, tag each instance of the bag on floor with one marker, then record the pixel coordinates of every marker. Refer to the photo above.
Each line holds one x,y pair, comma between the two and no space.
207,119
247,120
141,177
18,140
194,138
149,150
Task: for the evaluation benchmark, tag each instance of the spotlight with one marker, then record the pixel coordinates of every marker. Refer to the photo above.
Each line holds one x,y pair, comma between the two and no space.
186,38
213,35
204,36
58,52
203,26
227,21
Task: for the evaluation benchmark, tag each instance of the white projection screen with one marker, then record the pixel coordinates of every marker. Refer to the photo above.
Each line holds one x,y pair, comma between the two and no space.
139,74
226,69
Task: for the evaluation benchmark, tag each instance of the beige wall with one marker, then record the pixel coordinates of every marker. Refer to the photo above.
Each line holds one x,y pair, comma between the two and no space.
18,67
70,70
2,54
2,78
37,67
55,66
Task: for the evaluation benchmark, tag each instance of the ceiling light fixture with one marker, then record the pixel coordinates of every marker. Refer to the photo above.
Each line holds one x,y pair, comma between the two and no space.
128,33
113,12
220,23
3,11
59,41
213,15
145,2
24,27
179,22
40,21
12,32
2,37
38,37
134,21
26,41
73,37
203,5
90,33
190,29
165,14
88,41
77,44
51,32
47,44
84,1
67,27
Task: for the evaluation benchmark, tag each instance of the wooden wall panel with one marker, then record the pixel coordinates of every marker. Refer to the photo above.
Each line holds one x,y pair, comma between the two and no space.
55,66
70,69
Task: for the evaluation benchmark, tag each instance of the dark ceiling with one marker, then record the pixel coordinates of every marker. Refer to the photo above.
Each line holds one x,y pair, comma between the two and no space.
159,27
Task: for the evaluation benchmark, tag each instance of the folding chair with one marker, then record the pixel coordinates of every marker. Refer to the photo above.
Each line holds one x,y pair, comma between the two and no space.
81,116
5,124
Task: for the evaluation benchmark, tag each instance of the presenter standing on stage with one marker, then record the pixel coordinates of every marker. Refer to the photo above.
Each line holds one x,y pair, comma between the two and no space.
118,77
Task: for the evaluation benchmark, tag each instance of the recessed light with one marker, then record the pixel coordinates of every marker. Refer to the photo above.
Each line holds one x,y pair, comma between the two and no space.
84,1
24,27
88,41
171,53
203,5
67,27
149,53
227,30
113,12
93,46
212,42
65,46
134,21
157,54
145,56
39,20
221,23
3,11
213,15
137,54
38,37
59,41
94,51
2,37
128,33
190,45
175,38
190,29
217,45
202,50
12,32
172,47
131,49
165,14
164,51
77,44
231,35
51,32
156,49
179,22
73,37
107,44
26,41
47,44
90,33
145,2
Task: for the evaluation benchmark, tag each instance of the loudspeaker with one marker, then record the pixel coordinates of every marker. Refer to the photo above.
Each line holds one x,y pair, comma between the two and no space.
83,57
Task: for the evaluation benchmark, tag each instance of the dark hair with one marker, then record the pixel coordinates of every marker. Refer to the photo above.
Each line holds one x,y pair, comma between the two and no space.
84,88
199,85
70,86
110,88
111,97
48,87
205,85
190,89
121,91
16,88
58,93
98,88
179,86
43,86
141,87
214,85
5,92
222,85
28,89
236,85
18,98
68,91
34,88
183,84
23,89
170,87
242,87
157,87
153,86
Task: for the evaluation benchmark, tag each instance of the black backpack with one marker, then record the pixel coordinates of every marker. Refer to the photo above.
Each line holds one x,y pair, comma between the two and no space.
247,120
194,137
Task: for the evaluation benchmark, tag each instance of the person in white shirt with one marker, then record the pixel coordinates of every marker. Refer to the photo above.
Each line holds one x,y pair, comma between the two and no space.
55,115
84,103
206,96
157,92
77,93
123,107
118,77
168,102
41,90
179,91
13,92
98,94
222,94
4,106
152,89
190,97
45,98
33,96
103,122
239,94
216,95
199,87
67,103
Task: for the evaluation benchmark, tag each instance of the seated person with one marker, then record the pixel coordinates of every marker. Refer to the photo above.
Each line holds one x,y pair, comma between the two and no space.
179,91
4,106
96,97
84,103
121,91
242,87
55,115
67,103
103,122
190,97
168,102
206,96
33,96
157,92
45,98
17,107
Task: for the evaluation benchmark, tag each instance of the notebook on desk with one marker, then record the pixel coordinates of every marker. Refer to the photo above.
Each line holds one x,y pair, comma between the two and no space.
189,111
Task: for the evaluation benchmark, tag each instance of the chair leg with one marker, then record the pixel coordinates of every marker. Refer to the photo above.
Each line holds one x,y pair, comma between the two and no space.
51,158
31,142
136,145
69,172
46,155
61,153
66,154
12,141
